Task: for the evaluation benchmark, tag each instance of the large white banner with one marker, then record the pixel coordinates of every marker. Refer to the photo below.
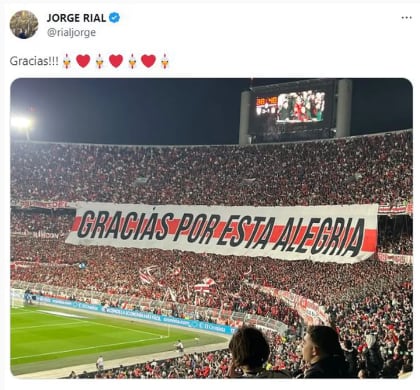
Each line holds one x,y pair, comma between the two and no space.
344,234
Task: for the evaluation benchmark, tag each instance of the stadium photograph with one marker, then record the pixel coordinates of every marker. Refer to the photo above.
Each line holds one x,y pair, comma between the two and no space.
159,227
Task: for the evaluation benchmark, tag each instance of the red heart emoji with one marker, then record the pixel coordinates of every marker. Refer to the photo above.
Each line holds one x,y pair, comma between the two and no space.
148,60
115,60
83,60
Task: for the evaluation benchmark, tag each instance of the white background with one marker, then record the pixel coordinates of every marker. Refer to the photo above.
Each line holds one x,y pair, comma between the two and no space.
217,39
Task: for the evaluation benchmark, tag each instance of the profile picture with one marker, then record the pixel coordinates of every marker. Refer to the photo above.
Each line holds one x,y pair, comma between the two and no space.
24,24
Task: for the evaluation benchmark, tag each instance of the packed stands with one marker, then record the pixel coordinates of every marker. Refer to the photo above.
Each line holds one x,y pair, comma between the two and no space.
359,170
370,169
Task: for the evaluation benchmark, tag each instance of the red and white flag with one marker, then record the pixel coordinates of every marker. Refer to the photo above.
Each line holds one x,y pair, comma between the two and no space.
149,269
209,281
202,287
172,294
145,278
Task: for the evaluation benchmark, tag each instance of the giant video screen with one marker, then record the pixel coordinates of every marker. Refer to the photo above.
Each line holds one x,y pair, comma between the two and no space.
292,111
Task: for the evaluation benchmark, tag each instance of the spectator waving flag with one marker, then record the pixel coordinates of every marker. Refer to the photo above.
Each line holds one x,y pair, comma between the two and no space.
172,294
209,281
149,269
202,287
145,278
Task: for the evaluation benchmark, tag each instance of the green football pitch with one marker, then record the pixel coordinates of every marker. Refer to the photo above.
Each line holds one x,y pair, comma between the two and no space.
46,338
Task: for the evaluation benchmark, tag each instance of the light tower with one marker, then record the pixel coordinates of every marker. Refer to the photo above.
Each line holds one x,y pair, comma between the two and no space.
22,124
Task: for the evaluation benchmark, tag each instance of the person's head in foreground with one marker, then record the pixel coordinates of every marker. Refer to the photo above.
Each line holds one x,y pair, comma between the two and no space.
250,351
323,354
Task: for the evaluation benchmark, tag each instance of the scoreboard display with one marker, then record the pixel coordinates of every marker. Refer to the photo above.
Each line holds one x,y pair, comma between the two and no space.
296,111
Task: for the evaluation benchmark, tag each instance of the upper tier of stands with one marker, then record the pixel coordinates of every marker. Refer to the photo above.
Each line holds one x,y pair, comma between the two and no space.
368,169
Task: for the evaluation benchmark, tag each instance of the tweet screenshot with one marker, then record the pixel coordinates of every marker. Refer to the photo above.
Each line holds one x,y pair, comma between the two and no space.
199,190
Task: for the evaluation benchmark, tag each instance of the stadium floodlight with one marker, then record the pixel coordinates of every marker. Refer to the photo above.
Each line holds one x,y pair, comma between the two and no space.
22,124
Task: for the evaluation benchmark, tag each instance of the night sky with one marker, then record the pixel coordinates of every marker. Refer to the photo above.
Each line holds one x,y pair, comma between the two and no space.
178,111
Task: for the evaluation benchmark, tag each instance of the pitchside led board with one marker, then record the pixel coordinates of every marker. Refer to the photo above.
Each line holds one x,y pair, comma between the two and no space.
295,111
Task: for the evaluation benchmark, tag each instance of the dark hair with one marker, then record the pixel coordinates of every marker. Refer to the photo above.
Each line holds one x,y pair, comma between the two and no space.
326,338
249,347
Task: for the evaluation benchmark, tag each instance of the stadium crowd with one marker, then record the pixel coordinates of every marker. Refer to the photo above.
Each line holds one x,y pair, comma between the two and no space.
357,303
362,299
376,337
51,222
370,169
178,269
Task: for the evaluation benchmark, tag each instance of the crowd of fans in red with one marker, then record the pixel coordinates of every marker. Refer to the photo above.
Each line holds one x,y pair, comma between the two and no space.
363,298
371,169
